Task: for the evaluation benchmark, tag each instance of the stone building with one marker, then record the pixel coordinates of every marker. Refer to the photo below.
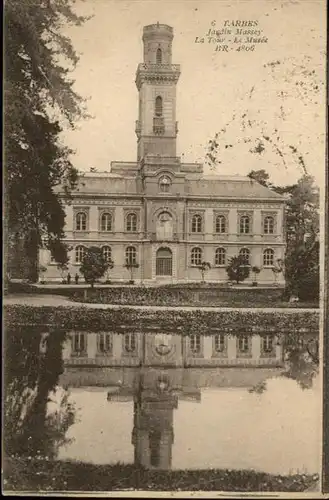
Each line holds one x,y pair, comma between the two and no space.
165,215
149,348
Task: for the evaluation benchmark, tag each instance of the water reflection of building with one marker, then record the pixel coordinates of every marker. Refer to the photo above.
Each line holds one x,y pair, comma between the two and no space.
155,371
155,394
154,349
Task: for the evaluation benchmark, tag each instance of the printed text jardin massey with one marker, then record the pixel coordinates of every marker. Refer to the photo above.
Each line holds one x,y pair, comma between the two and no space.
238,35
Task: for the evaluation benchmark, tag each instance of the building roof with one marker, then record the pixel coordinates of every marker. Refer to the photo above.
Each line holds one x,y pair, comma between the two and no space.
196,184
228,186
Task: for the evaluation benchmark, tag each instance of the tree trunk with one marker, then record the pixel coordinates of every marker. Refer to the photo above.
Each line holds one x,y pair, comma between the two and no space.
31,252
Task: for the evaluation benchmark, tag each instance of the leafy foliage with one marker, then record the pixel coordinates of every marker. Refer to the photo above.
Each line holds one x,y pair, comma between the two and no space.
203,268
301,265
286,82
131,265
38,95
167,319
94,265
33,364
237,269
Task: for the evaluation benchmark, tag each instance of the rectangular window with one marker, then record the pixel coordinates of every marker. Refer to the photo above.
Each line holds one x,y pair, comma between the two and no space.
219,343
195,344
267,344
79,344
105,344
130,344
244,344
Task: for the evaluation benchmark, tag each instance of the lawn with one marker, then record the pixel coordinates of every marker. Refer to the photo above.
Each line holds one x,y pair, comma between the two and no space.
42,475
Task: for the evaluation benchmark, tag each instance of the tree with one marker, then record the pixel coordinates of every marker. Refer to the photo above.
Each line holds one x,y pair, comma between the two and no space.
131,265
301,263
276,270
238,269
94,265
110,265
203,268
292,87
260,176
256,270
39,100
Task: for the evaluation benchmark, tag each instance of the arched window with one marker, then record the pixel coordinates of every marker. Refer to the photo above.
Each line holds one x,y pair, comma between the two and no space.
104,343
130,343
80,252
131,255
164,262
219,343
158,106
269,225
196,256
106,222
107,253
196,223
220,224
195,343
244,224
81,221
268,257
220,257
159,56
245,253
131,223
164,184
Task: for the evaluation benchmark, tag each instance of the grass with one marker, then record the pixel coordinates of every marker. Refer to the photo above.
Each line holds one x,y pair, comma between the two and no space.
43,475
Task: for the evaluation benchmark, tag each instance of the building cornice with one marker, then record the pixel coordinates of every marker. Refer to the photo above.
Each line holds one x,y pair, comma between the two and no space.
189,199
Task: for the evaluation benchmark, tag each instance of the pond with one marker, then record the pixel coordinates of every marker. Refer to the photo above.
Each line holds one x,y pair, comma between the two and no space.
195,418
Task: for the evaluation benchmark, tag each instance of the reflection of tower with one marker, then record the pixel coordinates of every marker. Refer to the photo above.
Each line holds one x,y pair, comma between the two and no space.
155,393
153,433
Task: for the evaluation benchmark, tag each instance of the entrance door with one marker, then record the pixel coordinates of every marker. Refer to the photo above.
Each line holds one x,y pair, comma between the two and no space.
164,262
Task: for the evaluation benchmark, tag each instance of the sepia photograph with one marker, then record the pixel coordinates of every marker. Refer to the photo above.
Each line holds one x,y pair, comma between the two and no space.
164,227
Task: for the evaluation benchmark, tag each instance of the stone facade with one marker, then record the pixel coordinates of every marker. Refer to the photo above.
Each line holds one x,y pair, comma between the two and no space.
166,215
106,349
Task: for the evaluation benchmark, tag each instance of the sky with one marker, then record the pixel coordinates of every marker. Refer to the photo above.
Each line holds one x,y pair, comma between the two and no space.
214,86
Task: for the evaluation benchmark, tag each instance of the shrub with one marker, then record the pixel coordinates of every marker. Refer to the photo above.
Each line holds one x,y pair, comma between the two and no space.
167,320
237,269
94,265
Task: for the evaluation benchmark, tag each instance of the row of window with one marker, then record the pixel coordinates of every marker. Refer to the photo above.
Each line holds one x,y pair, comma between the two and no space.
243,344
196,255
221,258
106,221
130,254
105,344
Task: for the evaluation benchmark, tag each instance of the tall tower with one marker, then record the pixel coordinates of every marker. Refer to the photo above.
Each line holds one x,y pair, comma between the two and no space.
156,79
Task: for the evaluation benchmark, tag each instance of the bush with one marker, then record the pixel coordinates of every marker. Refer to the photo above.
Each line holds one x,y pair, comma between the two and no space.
167,320
238,269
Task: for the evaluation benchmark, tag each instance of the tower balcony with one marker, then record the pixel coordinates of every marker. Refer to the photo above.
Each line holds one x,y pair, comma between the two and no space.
158,125
153,73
